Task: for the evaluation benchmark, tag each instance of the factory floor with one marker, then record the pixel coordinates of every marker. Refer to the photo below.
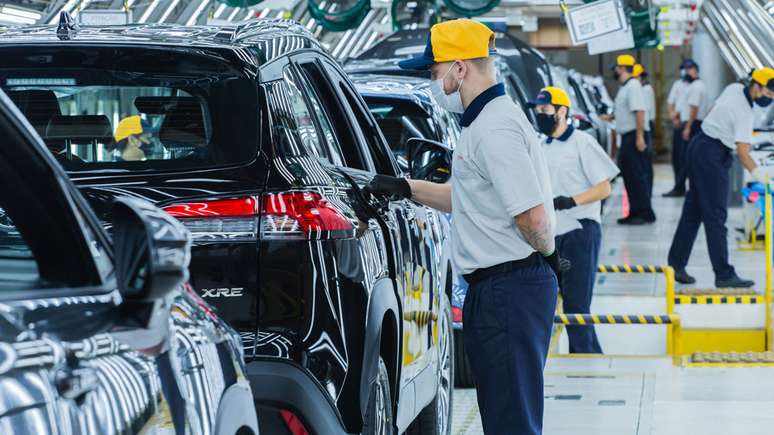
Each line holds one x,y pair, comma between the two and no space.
636,389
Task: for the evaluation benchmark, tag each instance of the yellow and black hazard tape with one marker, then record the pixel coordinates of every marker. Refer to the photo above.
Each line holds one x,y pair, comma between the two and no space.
615,319
420,317
719,300
630,268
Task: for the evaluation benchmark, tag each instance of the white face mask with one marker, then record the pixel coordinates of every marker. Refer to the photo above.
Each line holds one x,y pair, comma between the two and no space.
451,102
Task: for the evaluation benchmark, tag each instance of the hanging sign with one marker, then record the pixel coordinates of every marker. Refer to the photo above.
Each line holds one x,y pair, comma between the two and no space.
595,19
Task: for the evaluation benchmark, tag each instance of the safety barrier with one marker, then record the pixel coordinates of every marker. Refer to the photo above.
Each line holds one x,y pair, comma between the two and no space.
719,300
669,279
616,319
672,322
705,339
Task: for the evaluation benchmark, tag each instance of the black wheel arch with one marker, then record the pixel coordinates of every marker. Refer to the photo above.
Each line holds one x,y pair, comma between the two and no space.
382,338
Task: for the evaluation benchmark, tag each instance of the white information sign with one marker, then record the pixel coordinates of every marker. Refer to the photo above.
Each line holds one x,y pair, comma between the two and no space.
594,20
104,17
620,40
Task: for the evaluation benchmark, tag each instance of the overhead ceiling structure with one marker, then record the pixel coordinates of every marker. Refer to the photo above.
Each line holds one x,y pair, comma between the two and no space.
743,31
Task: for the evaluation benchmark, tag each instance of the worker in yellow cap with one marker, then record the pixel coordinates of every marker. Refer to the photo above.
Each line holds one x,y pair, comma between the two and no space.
131,135
502,226
647,91
728,127
580,172
635,152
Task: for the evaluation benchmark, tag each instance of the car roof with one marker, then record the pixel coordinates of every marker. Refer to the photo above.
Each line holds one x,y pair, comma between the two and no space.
274,37
414,89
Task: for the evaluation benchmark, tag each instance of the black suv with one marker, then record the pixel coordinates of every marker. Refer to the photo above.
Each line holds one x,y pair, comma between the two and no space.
100,336
256,140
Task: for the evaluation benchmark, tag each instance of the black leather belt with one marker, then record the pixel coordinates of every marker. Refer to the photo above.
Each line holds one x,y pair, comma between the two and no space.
479,275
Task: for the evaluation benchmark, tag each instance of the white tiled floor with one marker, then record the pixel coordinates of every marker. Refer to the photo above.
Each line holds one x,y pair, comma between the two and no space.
638,395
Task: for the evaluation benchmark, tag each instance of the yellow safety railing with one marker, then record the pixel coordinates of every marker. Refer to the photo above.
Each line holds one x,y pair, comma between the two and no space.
671,320
669,278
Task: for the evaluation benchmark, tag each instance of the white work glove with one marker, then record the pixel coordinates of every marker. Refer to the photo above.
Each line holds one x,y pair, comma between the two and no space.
761,174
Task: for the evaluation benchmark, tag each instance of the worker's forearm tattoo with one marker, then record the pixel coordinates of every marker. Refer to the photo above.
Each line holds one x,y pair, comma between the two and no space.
538,236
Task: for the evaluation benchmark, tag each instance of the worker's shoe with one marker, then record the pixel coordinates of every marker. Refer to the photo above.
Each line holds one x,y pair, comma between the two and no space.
632,220
674,193
733,282
682,277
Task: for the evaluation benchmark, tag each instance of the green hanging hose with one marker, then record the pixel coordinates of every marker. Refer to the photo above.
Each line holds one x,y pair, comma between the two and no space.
347,14
471,8
240,3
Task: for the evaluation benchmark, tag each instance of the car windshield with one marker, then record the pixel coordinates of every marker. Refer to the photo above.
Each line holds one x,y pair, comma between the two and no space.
160,110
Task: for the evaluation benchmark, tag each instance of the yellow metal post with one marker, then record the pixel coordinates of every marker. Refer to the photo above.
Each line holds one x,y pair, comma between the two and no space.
669,276
768,241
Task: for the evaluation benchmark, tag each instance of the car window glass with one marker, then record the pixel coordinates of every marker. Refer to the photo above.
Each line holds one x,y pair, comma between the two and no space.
401,120
324,124
372,136
307,131
177,116
347,138
17,263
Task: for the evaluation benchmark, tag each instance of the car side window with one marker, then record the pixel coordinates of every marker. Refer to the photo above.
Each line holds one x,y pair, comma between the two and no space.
323,123
307,131
329,99
374,141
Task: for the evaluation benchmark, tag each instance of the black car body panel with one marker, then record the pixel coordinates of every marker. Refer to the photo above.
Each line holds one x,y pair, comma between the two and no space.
278,246
64,366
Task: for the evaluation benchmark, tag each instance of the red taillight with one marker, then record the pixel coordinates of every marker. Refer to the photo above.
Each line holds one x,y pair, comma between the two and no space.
456,315
232,219
236,207
305,214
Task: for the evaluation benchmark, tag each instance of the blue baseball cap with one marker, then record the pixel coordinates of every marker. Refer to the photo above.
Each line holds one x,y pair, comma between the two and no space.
689,63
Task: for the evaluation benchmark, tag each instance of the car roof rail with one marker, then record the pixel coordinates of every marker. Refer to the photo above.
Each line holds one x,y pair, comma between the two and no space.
257,26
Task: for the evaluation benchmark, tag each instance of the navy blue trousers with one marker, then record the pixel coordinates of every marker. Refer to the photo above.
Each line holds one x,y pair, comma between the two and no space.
637,171
508,322
679,153
706,202
581,248
678,159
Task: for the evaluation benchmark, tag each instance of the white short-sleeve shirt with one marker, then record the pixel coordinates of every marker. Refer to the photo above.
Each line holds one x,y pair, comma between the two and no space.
498,172
731,118
577,163
676,92
695,95
628,101
650,102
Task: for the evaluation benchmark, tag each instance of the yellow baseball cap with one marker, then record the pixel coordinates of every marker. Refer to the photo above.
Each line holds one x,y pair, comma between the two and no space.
625,60
551,95
128,126
459,39
764,77
638,70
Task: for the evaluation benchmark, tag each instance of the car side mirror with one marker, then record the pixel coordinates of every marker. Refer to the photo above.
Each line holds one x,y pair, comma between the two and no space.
429,160
152,250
